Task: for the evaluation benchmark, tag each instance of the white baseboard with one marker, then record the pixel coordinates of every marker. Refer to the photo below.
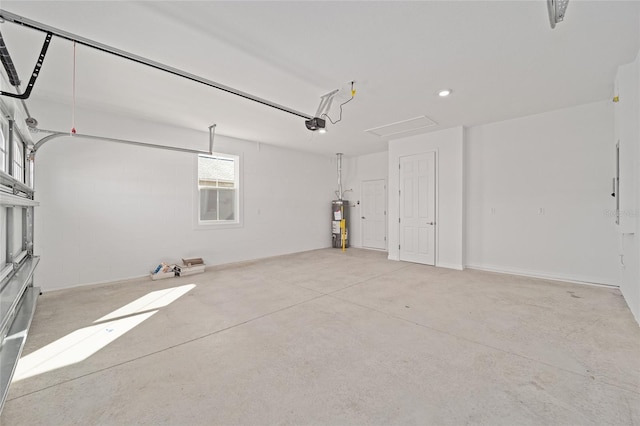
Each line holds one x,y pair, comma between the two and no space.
46,289
576,279
437,265
449,266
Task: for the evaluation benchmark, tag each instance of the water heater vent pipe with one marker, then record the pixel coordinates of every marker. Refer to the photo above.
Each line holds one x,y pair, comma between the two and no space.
339,192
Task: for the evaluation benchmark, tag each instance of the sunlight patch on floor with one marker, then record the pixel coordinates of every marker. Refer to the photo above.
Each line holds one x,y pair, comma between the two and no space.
81,344
154,300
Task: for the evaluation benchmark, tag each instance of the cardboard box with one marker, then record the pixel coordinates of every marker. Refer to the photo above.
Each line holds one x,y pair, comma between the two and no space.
184,270
193,261
162,275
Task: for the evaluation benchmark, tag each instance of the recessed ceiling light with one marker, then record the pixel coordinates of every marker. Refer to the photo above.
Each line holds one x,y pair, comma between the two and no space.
444,93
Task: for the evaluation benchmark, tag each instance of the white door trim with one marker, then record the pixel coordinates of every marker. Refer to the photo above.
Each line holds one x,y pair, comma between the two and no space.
386,215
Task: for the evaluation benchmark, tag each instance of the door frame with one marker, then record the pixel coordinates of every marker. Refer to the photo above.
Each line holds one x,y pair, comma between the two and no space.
435,202
386,210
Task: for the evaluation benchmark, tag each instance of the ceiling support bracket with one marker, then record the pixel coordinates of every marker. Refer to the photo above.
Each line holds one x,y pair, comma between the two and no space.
13,75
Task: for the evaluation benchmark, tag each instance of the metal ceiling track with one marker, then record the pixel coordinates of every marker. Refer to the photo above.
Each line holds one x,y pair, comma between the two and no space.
53,134
26,22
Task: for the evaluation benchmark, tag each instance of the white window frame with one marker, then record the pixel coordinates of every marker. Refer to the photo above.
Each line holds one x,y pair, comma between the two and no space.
219,224
4,129
18,158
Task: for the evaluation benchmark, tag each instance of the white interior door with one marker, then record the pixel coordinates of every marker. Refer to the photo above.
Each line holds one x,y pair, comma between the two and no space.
374,214
417,208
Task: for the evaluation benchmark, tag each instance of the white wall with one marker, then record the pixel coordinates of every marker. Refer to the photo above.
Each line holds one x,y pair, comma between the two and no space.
449,193
355,171
110,211
630,272
560,161
627,132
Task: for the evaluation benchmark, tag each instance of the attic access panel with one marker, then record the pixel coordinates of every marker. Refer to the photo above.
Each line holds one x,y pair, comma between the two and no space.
412,124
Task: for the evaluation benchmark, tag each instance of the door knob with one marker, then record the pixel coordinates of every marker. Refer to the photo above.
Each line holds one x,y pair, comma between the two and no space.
363,217
431,223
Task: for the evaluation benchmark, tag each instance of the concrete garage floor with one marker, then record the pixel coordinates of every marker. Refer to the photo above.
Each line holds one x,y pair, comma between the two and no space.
326,337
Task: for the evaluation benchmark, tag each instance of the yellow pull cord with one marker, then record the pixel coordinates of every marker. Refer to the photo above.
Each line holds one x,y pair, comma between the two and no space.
343,228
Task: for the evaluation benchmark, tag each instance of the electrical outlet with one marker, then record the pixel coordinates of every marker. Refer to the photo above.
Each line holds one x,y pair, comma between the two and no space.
541,211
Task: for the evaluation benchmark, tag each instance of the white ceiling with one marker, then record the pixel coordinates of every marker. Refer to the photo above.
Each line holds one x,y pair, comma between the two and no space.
501,59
